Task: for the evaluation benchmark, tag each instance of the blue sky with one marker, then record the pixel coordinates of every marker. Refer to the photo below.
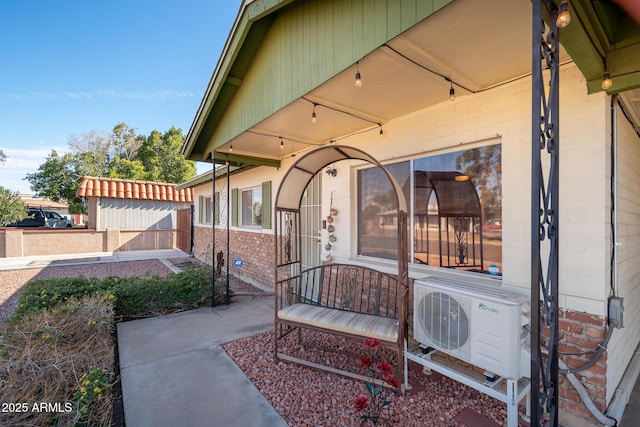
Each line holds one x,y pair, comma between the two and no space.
68,67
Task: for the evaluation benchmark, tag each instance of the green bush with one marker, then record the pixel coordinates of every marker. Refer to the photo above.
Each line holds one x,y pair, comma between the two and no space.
132,297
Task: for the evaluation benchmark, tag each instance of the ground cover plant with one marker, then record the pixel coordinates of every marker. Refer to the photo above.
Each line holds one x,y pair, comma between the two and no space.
57,350
44,357
133,296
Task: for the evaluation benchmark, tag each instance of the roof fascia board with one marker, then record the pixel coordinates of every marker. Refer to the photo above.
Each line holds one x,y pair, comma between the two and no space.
586,42
250,11
244,160
221,172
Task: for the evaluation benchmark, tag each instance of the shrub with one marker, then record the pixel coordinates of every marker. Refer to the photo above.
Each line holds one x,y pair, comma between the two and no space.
132,297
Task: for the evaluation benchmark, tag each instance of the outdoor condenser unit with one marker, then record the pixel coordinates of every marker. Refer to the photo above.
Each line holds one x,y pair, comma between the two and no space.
481,324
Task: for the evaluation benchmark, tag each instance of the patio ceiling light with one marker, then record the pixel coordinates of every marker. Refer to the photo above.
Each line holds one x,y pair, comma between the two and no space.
358,82
606,81
314,118
281,143
381,132
606,76
564,16
452,92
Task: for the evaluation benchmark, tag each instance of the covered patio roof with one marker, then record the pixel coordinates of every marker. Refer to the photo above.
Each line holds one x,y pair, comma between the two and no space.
464,45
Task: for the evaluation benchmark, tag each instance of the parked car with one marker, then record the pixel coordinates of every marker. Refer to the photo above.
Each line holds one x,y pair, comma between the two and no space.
55,220
492,229
36,218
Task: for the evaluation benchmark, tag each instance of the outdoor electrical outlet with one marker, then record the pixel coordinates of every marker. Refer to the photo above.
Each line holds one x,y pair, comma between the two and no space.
616,310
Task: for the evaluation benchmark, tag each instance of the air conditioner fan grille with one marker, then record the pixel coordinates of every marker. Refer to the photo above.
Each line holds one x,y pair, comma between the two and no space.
444,320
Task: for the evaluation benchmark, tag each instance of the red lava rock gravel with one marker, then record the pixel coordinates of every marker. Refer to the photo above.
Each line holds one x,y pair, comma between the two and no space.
308,397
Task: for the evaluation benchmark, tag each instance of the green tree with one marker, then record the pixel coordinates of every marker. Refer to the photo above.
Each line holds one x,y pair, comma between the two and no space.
149,155
124,142
127,169
161,155
123,155
58,179
484,167
12,208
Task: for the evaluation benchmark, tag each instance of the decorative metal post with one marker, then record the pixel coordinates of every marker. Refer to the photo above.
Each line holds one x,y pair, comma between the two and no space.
544,220
214,206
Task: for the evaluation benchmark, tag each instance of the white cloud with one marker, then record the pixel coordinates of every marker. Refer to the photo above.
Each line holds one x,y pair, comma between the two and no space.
29,96
21,162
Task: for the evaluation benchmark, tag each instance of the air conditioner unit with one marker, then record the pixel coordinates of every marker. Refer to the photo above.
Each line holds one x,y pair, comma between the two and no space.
481,324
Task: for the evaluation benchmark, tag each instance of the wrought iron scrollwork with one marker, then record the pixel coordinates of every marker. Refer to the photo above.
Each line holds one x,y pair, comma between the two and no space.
544,219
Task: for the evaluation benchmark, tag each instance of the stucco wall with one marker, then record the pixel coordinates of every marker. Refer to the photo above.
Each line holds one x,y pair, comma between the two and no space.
43,241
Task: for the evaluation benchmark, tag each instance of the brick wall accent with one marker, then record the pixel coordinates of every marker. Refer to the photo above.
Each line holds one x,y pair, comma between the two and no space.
255,250
581,333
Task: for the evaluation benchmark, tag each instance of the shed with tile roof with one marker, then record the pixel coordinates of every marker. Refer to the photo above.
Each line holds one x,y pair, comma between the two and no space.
132,205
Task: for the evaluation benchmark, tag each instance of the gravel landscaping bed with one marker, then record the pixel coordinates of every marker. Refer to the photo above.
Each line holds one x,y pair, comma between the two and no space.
307,397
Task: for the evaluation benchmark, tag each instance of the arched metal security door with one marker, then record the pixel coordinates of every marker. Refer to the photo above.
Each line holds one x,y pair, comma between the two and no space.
287,224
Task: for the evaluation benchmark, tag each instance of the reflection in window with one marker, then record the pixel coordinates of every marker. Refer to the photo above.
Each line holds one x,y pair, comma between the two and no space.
456,208
208,205
252,208
377,207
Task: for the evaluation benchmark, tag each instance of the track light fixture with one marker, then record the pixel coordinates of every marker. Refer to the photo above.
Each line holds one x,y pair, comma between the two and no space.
230,147
358,81
281,143
381,131
452,92
564,16
314,118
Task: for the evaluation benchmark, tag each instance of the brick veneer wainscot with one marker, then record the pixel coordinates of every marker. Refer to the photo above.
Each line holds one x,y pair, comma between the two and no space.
581,333
255,250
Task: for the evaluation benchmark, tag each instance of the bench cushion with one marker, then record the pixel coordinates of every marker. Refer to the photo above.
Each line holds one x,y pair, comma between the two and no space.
364,325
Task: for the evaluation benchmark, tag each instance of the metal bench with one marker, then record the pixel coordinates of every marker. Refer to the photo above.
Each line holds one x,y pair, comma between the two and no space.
342,299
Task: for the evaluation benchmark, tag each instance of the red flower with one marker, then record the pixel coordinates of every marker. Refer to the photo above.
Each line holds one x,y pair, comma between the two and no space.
372,342
385,368
393,382
366,362
361,403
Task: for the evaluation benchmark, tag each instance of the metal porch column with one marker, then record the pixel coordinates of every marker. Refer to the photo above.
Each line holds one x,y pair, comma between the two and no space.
544,218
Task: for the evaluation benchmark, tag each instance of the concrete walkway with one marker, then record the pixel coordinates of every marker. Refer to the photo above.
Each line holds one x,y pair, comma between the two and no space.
174,371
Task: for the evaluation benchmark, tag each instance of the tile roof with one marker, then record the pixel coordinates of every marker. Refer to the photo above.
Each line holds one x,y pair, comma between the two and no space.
131,189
